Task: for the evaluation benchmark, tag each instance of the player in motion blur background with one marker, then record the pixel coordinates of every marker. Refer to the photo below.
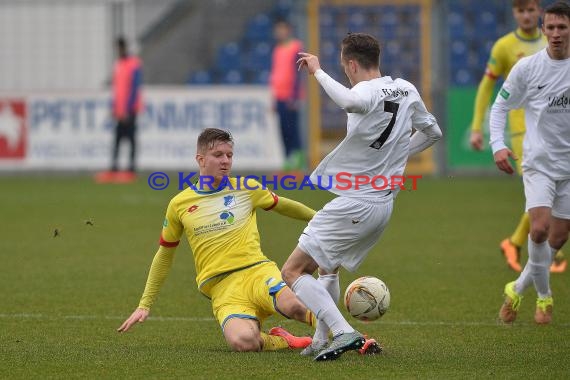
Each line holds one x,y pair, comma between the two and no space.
526,40
127,101
382,112
541,85
286,88
219,221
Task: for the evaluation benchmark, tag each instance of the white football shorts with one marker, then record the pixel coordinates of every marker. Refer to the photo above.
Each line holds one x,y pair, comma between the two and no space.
542,191
344,230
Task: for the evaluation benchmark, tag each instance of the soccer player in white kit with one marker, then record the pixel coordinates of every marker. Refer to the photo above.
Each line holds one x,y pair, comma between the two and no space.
382,113
540,84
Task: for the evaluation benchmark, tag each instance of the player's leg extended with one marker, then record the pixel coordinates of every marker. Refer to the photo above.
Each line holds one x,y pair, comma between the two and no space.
296,271
267,294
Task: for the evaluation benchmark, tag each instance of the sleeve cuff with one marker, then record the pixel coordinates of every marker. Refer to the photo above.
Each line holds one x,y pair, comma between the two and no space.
275,201
320,74
497,146
168,244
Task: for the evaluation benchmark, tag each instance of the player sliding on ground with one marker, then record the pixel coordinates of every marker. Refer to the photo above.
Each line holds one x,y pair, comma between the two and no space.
382,112
245,287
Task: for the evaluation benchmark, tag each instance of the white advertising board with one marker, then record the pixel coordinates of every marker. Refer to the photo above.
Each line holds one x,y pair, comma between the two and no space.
74,131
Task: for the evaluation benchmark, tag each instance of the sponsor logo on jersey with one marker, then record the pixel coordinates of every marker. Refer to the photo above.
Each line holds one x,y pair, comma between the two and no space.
229,201
504,94
558,104
395,92
228,216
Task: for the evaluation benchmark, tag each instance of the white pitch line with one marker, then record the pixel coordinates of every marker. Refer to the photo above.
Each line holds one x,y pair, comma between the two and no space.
210,319
109,317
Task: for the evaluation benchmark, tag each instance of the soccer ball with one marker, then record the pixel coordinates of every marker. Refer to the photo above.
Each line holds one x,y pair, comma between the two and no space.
367,298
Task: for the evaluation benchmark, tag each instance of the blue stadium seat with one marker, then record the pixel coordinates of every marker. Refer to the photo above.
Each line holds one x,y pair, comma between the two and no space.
282,9
260,28
232,77
356,20
200,77
229,57
261,77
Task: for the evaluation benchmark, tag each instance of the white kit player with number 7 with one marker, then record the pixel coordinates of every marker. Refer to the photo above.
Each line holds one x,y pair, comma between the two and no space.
382,113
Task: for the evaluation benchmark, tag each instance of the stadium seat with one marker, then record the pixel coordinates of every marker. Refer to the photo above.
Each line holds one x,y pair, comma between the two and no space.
200,77
232,77
229,57
260,28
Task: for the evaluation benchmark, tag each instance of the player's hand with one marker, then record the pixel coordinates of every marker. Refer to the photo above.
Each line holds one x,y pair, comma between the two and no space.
138,316
502,160
476,140
308,61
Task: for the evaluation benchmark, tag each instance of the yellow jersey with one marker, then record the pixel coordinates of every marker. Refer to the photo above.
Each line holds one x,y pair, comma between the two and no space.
509,49
220,226
506,51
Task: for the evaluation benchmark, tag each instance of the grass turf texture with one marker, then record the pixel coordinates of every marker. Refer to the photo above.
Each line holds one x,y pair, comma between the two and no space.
63,297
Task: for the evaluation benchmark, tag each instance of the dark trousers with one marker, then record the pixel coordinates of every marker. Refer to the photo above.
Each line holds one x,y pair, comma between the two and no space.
289,123
125,129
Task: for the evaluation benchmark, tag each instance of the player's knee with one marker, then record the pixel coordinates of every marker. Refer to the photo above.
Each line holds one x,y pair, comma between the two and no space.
297,310
558,241
539,232
244,342
287,275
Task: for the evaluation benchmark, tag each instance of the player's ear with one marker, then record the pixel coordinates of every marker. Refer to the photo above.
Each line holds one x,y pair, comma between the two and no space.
200,160
353,66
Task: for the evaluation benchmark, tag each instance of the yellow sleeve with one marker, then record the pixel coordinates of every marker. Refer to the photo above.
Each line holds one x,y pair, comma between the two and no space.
482,100
494,69
158,272
294,209
172,227
260,196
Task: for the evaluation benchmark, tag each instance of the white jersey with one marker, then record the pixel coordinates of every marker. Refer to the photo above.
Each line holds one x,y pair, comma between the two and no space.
540,85
381,115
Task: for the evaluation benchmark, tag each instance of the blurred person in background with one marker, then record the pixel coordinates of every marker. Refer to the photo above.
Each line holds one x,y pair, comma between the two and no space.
126,105
526,40
286,90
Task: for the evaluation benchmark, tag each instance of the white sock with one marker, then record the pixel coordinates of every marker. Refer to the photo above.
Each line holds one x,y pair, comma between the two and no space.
312,293
539,260
331,283
524,280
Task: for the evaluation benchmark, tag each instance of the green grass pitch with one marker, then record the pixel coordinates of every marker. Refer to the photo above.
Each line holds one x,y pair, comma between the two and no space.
63,297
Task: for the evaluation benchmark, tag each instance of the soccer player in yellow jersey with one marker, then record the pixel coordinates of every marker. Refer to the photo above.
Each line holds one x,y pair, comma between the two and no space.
526,40
219,221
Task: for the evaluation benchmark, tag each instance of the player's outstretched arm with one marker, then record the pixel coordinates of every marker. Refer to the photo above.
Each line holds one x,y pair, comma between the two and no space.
294,209
158,272
342,96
